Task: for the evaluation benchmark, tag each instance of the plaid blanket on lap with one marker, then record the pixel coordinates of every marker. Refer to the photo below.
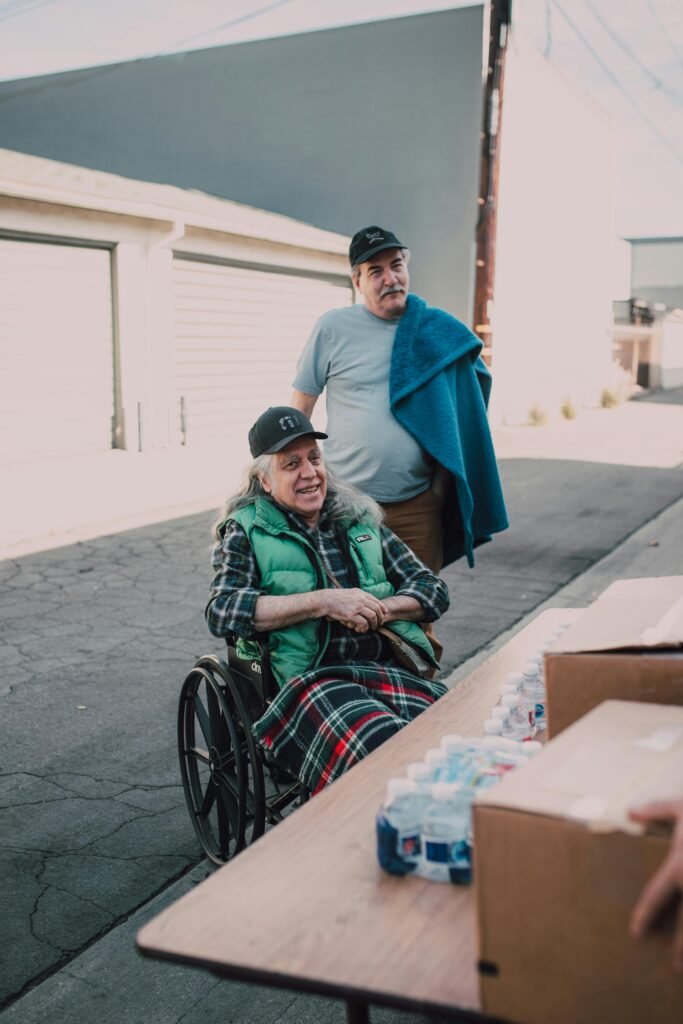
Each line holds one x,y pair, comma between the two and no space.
327,719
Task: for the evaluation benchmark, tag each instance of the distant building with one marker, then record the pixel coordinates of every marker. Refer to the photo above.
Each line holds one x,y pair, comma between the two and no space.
379,123
657,270
142,316
648,343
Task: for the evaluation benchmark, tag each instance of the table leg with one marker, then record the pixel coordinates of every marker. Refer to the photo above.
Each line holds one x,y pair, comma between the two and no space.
357,1013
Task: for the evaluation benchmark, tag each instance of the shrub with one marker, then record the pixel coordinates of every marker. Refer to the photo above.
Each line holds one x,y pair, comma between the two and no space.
609,398
568,409
537,416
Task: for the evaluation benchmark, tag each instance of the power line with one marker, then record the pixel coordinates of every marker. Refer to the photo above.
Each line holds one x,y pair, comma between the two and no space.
615,81
656,81
88,73
26,9
172,47
548,29
15,5
655,14
12,4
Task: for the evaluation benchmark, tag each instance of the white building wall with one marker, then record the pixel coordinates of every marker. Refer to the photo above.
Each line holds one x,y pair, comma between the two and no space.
555,244
671,359
139,227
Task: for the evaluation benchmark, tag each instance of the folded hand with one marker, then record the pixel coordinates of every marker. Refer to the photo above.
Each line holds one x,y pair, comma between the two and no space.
355,609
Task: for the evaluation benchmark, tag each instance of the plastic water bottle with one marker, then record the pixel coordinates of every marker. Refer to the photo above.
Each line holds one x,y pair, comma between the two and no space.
517,725
515,679
510,746
511,683
423,775
459,753
501,712
493,726
534,686
437,759
527,694
398,827
452,739
446,850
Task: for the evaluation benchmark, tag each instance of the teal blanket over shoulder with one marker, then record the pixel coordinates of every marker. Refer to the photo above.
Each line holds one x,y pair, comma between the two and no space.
439,389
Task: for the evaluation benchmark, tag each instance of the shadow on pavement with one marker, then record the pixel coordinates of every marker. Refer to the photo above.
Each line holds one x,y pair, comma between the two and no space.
564,516
670,396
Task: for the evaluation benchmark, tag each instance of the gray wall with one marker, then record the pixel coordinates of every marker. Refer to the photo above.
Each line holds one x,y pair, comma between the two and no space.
373,123
657,270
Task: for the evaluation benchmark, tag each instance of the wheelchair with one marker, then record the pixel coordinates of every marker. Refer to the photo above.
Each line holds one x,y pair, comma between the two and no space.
233,790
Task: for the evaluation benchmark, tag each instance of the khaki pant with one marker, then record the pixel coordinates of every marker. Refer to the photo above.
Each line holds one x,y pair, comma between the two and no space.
417,522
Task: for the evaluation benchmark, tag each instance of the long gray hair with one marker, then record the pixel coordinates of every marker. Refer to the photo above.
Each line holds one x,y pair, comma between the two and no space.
344,504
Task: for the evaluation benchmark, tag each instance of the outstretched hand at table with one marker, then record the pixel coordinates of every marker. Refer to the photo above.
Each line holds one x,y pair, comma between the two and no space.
667,883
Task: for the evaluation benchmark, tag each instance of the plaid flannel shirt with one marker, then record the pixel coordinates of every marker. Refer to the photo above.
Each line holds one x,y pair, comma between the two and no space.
237,586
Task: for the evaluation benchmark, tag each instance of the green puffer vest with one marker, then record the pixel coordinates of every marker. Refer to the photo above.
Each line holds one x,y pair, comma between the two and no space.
289,564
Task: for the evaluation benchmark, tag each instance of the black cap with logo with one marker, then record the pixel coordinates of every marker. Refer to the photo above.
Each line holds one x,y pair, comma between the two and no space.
276,427
367,242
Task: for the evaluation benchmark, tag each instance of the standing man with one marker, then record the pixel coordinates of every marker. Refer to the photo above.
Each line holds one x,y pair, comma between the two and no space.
406,405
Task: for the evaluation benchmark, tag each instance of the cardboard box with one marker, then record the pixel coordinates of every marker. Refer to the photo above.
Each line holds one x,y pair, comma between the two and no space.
628,645
558,868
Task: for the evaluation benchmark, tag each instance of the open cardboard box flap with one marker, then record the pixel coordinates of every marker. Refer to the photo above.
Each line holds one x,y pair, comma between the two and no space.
620,754
558,868
641,614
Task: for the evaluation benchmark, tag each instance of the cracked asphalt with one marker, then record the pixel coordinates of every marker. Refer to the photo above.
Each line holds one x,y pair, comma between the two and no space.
95,640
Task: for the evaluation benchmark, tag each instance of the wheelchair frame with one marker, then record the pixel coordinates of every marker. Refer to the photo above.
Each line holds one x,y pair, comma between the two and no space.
233,792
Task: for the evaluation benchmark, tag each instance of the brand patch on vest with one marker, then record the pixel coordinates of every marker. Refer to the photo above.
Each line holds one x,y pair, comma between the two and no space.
363,536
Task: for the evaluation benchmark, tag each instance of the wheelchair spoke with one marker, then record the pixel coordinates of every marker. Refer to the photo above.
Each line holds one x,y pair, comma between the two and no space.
226,761
208,801
228,817
202,718
228,783
199,755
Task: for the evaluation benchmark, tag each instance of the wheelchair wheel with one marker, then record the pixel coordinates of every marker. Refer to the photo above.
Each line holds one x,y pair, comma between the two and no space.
220,765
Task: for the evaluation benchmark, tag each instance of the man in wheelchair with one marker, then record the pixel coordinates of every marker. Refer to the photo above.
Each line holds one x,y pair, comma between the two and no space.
306,559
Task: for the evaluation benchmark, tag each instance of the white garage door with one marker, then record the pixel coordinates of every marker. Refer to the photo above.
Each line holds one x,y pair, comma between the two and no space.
56,350
238,335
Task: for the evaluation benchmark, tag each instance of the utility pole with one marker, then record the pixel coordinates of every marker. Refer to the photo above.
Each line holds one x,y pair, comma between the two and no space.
499,25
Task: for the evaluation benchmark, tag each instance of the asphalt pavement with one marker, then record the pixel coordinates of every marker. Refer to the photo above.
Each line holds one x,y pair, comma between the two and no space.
96,637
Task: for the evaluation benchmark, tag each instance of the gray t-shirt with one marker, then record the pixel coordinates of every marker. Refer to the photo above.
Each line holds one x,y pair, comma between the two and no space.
349,353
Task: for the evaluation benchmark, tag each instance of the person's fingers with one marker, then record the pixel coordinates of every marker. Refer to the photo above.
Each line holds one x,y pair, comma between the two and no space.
658,810
372,615
652,901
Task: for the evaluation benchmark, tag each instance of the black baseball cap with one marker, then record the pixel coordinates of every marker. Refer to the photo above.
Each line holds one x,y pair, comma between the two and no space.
369,241
276,427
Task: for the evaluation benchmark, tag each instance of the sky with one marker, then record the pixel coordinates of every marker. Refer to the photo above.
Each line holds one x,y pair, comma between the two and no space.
626,54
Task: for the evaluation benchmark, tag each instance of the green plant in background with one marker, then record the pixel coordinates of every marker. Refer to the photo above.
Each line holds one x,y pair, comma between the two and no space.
609,398
537,416
568,409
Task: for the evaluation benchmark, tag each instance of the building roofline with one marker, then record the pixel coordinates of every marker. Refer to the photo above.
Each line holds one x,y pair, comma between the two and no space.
654,238
24,176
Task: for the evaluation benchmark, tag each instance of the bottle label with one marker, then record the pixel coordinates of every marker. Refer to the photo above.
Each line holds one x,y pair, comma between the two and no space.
388,849
437,851
460,869
409,845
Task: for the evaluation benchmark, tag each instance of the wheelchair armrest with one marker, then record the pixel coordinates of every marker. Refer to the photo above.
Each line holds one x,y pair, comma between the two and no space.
270,687
258,671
